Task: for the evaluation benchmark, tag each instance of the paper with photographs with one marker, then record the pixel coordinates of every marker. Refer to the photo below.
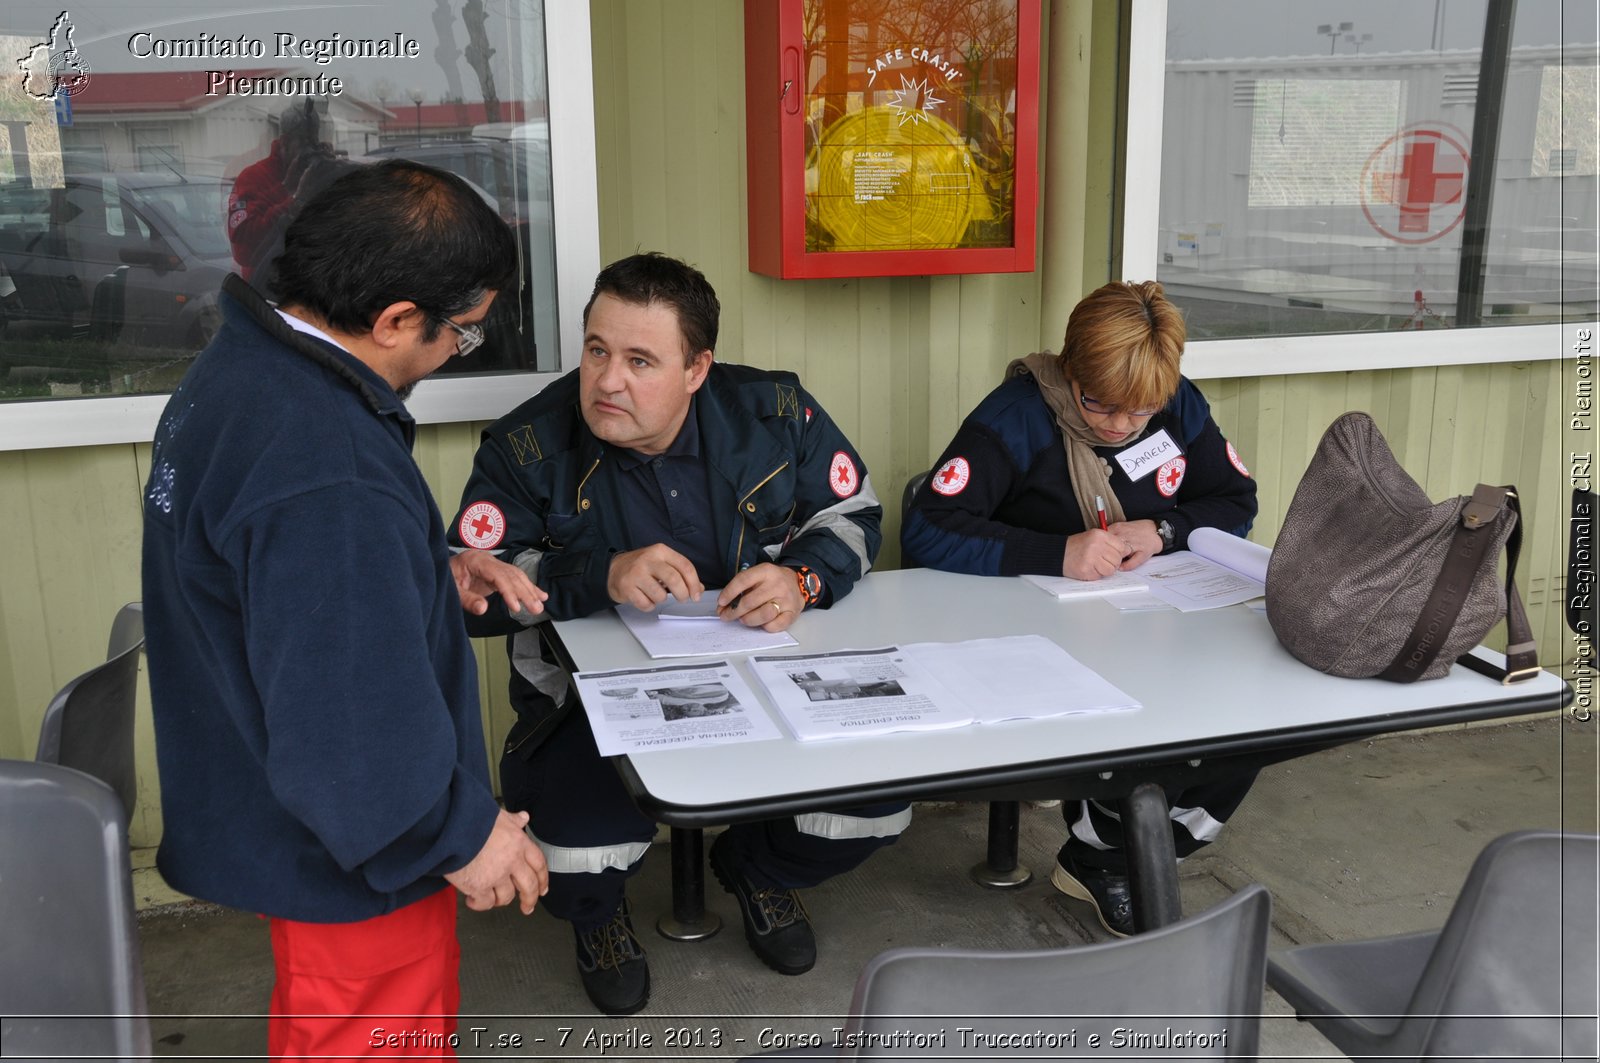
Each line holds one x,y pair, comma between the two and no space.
638,710
932,685
857,692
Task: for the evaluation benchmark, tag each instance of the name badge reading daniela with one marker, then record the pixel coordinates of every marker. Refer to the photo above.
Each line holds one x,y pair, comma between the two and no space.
1147,455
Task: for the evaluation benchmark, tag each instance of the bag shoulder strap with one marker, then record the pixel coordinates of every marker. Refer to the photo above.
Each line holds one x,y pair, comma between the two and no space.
1468,549
1522,652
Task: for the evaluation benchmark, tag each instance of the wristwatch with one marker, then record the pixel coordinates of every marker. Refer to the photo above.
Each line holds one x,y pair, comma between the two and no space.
810,584
1168,536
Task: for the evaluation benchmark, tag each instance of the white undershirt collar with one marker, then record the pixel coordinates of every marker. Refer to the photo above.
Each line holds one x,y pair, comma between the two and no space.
311,330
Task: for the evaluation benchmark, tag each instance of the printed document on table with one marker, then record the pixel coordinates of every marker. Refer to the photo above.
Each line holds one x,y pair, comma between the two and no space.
1228,550
689,629
1141,602
1218,569
679,706
857,692
1020,677
1065,587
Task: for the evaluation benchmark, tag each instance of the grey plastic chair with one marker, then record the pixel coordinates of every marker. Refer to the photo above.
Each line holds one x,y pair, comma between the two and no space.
909,492
88,725
69,950
1200,978
127,629
1510,976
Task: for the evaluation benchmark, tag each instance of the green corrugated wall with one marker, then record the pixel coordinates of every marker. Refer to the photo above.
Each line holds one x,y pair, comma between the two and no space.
895,361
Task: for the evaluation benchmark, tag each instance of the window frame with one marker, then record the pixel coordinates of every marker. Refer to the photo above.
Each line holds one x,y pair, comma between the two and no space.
39,424
1281,355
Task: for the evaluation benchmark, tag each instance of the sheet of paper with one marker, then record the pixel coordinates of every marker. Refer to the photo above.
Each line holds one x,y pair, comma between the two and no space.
704,609
1141,601
1228,550
1191,582
672,707
1064,587
691,629
856,692
1020,677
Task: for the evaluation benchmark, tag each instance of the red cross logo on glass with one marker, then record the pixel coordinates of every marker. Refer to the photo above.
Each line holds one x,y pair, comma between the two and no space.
1413,188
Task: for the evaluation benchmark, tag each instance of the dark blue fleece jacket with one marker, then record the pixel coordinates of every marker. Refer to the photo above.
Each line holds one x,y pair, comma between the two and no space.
314,692
1000,500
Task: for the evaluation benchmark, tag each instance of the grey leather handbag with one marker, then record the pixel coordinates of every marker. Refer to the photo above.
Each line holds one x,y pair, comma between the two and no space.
1369,577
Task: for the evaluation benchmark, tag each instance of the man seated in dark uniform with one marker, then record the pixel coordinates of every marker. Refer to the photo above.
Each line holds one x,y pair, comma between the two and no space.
655,470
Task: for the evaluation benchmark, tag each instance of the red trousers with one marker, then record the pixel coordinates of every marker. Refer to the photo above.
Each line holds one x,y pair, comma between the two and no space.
384,987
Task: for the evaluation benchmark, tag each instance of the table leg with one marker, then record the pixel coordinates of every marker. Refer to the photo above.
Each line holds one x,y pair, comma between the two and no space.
999,870
1152,860
689,920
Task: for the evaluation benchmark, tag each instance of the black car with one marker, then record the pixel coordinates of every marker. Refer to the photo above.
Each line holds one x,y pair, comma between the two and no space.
132,259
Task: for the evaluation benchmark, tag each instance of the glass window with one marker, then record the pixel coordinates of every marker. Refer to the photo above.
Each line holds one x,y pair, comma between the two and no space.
146,151
910,136
1313,171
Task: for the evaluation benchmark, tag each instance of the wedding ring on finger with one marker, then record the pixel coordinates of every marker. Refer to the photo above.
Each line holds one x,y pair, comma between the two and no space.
779,608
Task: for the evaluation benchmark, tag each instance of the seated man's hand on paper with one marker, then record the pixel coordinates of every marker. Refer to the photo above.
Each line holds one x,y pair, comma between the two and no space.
1144,542
765,596
479,574
645,577
508,867
1095,554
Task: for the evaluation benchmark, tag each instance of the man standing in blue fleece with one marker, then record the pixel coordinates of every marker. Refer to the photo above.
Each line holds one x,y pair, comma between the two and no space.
314,690
653,469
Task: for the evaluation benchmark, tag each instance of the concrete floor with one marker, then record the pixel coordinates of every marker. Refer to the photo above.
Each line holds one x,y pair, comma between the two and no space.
1367,839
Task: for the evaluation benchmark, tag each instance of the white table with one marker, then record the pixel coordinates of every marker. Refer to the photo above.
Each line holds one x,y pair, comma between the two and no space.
1220,696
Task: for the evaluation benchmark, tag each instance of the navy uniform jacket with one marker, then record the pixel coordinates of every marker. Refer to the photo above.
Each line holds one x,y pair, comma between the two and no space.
785,483
314,691
1000,501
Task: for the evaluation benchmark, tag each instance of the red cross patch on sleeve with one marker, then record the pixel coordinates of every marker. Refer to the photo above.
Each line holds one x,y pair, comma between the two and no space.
952,477
842,475
482,526
1170,476
1233,456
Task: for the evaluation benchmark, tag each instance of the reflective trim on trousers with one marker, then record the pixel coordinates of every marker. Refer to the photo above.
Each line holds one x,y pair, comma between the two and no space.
1201,825
835,826
1083,826
591,861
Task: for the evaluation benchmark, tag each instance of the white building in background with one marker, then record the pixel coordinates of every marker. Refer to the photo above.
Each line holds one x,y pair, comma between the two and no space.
1334,186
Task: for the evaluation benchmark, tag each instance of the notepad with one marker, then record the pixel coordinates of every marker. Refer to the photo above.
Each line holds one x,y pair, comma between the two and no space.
1065,588
691,629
